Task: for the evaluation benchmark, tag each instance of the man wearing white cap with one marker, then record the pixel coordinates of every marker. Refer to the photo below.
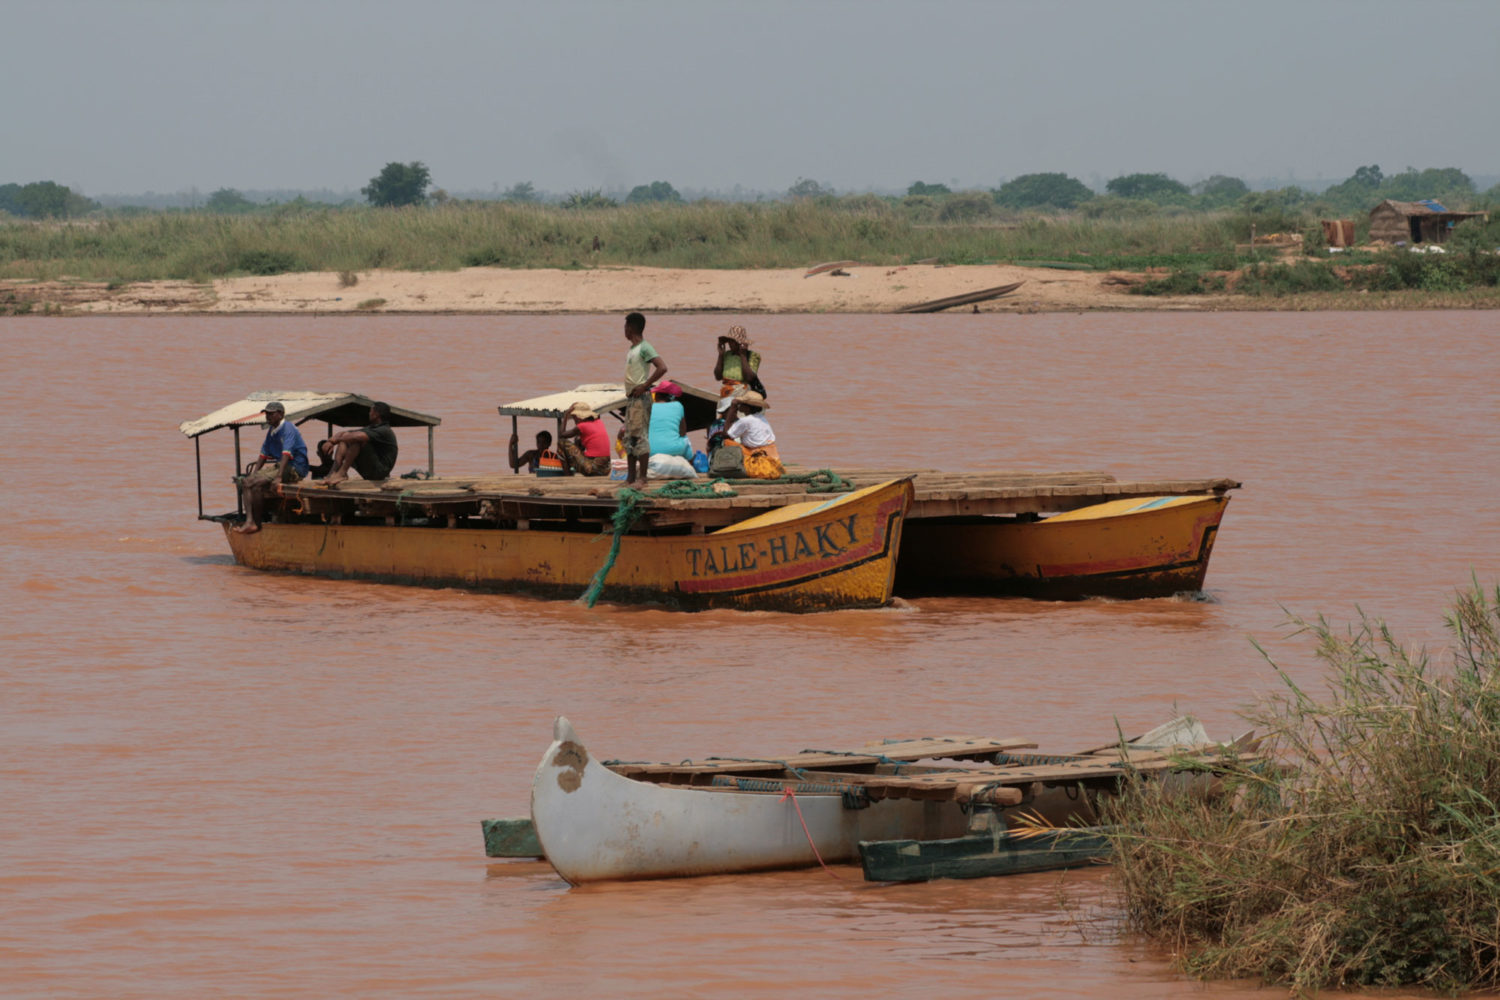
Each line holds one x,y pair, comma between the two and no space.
283,446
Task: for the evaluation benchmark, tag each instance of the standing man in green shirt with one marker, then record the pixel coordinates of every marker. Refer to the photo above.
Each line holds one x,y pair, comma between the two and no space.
643,369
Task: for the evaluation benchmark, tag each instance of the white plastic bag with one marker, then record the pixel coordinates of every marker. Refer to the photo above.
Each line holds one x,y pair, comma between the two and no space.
670,467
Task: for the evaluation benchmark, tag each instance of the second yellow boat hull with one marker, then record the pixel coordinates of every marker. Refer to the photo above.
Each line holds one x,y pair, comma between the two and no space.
1136,548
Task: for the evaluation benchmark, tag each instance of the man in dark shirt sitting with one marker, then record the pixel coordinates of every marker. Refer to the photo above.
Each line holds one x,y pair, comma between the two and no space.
541,460
371,450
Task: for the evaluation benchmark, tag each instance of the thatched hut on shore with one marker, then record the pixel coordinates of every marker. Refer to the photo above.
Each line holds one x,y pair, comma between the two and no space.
1415,221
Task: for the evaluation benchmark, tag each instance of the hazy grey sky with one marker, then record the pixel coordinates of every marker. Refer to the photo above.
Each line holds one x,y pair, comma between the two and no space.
125,96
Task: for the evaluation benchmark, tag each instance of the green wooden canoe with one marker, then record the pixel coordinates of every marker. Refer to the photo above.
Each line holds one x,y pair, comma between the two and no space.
510,838
1004,852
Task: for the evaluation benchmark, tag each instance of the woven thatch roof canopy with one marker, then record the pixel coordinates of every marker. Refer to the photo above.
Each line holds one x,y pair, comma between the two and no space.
609,397
342,409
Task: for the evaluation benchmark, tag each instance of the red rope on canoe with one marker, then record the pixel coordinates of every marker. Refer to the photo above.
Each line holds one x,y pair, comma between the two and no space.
787,793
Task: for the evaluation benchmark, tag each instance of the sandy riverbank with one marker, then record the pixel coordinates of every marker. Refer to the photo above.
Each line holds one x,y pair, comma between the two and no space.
606,289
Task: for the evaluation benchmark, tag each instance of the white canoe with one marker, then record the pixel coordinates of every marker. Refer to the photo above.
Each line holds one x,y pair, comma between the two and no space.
594,824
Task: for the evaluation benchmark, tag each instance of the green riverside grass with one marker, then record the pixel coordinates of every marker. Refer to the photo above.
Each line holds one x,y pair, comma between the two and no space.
1186,253
197,246
1370,854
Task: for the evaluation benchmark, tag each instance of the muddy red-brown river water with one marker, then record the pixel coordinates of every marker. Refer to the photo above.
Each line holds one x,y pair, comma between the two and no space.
222,783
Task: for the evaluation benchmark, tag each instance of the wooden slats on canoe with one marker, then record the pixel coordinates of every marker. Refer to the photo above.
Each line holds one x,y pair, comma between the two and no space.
995,784
982,785
1000,785
968,785
937,748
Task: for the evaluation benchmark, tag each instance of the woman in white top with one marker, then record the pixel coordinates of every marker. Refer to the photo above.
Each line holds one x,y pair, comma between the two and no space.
750,431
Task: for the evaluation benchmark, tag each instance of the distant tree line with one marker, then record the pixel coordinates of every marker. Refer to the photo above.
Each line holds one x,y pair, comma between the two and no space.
1128,195
1366,188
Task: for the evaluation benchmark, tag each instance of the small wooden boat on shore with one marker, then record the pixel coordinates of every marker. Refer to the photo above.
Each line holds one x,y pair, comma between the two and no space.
601,820
1134,548
965,299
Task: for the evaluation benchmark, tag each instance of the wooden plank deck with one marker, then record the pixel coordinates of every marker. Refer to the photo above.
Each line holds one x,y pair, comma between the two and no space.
524,498
932,748
889,770
932,784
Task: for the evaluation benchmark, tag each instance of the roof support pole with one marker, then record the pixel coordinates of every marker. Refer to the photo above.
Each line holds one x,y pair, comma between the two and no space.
239,497
198,461
429,451
515,431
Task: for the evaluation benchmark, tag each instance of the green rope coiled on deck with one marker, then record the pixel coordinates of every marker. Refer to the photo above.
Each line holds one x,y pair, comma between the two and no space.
691,489
822,481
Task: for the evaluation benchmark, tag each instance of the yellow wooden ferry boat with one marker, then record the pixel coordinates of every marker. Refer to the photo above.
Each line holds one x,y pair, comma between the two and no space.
833,552
811,556
758,544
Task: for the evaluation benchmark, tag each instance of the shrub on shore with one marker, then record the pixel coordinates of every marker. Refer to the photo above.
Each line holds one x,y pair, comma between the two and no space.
1182,281
1371,854
1289,279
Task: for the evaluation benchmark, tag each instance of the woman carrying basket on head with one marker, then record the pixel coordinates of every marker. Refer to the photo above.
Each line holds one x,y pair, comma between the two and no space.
738,366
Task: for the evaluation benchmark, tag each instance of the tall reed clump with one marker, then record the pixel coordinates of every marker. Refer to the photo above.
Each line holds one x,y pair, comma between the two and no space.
1371,854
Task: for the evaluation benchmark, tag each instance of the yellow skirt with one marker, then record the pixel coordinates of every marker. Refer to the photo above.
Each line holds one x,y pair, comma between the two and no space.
764,463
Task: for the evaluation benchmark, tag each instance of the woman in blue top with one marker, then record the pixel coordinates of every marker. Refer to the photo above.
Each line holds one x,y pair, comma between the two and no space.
669,423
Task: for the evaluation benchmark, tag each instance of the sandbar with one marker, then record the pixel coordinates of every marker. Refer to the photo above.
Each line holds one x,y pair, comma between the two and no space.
487,290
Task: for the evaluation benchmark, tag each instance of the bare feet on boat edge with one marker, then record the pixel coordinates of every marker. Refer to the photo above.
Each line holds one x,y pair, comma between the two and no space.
247,529
333,479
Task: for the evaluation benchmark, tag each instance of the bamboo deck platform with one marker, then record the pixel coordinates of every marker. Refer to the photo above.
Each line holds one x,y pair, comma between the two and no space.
522,499
998,775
